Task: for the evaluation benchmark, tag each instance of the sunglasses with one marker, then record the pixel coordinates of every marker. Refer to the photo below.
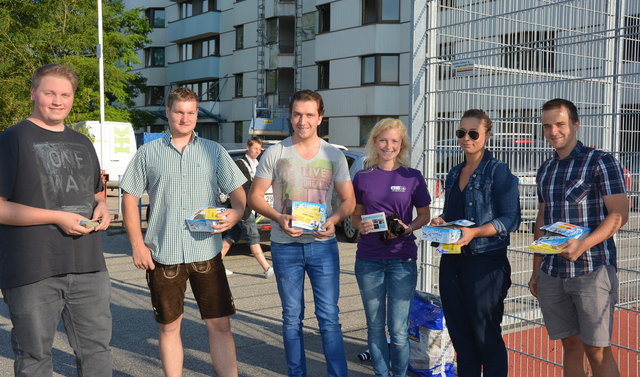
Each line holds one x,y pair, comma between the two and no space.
473,134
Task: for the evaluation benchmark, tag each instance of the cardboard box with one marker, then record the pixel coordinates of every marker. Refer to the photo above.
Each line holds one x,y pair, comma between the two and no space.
557,234
445,233
440,234
379,220
204,218
309,216
449,248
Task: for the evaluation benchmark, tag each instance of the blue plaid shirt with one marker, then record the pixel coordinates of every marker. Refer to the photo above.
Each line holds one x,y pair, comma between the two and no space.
572,190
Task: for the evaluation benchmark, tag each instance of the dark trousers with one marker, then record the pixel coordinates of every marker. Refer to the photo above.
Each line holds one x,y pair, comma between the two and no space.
473,289
82,300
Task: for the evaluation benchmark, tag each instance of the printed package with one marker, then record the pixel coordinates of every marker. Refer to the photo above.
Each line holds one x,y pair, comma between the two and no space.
445,233
204,218
309,216
557,234
379,220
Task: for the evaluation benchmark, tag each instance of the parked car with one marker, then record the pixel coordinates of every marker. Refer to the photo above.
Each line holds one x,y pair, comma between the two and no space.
355,160
237,151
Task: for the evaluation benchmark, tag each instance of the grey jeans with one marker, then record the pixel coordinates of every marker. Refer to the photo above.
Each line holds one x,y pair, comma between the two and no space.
82,300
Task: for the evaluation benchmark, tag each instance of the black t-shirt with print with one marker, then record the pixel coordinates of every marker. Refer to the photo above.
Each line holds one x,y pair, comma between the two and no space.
50,170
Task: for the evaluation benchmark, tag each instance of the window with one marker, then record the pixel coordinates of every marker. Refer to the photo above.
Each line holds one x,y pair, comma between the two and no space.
206,90
239,37
286,34
208,130
323,129
380,11
529,51
324,18
155,17
323,75
239,79
446,4
380,69
366,125
237,132
631,47
272,81
272,30
191,8
154,95
154,57
200,48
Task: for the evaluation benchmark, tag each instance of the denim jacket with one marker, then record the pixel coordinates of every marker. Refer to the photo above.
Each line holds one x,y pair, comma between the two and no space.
491,196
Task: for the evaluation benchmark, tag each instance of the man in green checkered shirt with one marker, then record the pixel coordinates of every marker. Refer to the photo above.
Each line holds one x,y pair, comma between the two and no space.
183,173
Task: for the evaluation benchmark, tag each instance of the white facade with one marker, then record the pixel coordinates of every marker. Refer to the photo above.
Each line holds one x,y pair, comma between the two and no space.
387,64
290,61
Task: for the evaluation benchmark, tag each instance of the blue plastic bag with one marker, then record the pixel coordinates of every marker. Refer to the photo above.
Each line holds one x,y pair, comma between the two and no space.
431,348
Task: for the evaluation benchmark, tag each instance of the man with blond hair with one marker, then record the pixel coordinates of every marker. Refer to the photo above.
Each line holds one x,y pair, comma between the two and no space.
183,173
51,206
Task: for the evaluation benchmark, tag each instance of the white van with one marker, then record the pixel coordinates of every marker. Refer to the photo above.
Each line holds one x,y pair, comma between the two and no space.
119,146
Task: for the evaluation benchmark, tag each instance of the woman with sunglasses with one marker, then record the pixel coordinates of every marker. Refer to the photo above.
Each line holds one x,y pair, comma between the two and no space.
474,284
386,261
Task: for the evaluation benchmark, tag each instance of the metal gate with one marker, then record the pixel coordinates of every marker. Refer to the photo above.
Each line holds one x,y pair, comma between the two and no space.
508,57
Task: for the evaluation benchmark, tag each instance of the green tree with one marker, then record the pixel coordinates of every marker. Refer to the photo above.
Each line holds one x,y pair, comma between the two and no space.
37,32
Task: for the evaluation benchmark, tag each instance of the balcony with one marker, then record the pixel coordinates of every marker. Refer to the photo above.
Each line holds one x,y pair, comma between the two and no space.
196,69
191,27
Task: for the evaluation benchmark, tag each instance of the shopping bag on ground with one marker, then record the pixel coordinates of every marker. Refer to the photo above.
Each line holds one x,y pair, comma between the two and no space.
431,348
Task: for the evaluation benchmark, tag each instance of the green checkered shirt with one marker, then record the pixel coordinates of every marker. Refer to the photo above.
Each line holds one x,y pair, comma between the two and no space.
178,185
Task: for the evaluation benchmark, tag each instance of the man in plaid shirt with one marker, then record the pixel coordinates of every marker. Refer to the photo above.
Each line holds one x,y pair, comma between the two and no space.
578,288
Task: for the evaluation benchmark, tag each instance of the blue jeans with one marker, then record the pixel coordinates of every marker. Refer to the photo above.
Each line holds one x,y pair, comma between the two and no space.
320,261
83,302
387,287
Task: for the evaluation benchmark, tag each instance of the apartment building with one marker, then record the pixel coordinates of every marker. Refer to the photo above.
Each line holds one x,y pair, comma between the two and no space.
394,58
240,56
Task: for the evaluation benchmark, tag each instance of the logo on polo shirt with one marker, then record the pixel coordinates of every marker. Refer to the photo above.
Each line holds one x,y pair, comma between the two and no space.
398,189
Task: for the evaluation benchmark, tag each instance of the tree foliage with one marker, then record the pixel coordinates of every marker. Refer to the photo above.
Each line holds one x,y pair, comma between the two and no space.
37,32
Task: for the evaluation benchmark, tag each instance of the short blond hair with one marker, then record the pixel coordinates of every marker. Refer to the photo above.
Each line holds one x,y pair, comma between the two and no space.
181,94
57,70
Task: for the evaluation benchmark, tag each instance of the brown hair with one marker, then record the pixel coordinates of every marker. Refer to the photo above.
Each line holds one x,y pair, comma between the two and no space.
57,70
479,114
182,94
307,95
557,103
254,140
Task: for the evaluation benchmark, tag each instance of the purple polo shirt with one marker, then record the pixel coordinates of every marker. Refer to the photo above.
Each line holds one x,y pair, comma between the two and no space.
397,191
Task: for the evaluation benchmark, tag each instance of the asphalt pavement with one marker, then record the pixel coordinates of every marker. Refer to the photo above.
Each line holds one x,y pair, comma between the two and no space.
256,325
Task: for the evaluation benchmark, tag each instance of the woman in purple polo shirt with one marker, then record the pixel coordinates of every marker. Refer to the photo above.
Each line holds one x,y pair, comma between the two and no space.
386,260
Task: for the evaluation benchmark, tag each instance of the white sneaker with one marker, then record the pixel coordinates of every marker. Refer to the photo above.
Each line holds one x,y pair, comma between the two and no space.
269,273
228,272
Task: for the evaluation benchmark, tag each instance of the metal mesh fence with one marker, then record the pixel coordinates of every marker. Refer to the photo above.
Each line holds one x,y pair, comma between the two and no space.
508,58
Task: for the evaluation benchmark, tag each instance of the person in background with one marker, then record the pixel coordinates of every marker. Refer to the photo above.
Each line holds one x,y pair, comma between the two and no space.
52,205
183,173
306,168
578,288
247,227
474,284
385,267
